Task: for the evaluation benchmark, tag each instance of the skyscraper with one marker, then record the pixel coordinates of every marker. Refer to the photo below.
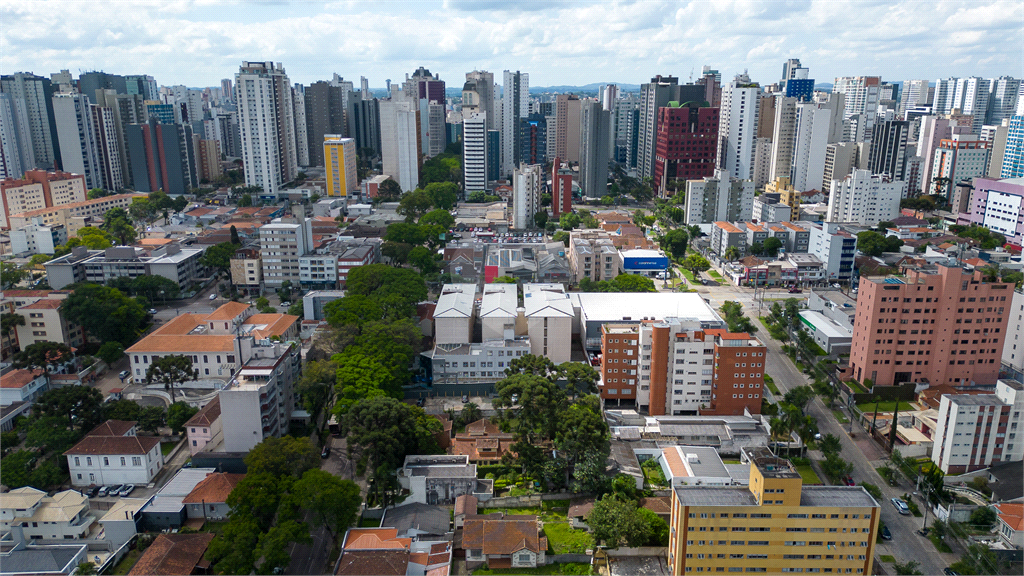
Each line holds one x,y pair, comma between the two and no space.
653,96
915,94
34,94
942,98
561,188
162,156
266,118
301,128
862,95
686,144
474,151
1003,100
76,134
971,97
864,198
595,125
1013,155
90,82
889,148
15,150
626,115
567,127
527,181
364,87
515,105
478,96
533,136
738,127
810,141
363,121
783,137
400,141
325,114
340,166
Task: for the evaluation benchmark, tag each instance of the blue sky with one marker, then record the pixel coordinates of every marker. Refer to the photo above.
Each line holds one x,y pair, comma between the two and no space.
198,42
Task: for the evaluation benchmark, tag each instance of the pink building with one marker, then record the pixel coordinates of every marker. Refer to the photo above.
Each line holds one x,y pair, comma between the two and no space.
999,206
935,324
202,428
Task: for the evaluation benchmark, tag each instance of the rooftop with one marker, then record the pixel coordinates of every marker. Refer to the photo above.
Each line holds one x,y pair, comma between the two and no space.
214,488
173,554
114,445
19,378
113,428
207,415
611,306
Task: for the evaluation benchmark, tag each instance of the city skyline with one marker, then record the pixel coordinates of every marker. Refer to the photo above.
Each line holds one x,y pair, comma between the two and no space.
199,42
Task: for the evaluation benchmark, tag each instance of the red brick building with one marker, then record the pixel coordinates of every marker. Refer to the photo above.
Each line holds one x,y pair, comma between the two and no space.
686,144
738,381
561,188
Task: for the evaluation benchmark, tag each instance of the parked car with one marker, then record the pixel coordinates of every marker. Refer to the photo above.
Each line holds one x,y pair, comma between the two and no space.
420,402
102,491
213,296
152,310
326,451
465,398
128,488
123,374
901,506
114,490
886,534
515,398
794,290
92,492
849,481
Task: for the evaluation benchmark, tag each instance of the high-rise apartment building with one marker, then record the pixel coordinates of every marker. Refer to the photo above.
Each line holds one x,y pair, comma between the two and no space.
76,135
762,161
1003,99
34,96
971,96
654,95
227,93
37,189
959,158
109,146
686,144
533,137
862,96
474,151
889,149
301,127
162,157
840,160
934,130
127,109
738,127
567,127
625,122
340,163
936,325
914,95
363,121
718,198
527,182
865,198
423,85
478,96
1013,155
267,122
515,105
208,153
737,381
325,114
999,206
16,154
400,141
1013,347
783,133
942,97
810,142
561,188
595,127
758,524
975,431
283,242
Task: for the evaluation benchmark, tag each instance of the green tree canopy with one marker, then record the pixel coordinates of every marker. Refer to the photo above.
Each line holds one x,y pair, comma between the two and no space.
42,355
616,522
424,260
81,406
171,370
385,430
406,233
178,414
110,352
871,243
696,264
414,204
440,217
219,255
105,313
772,246
286,456
334,502
675,242
443,195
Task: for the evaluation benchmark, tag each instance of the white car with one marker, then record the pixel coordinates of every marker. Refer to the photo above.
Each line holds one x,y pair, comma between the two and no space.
213,296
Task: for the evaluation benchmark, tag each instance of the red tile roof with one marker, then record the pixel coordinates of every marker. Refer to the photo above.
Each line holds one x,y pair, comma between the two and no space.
114,445
44,304
377,562
172,554
113,428
1013,514
503,536
18,378
207,415
215,488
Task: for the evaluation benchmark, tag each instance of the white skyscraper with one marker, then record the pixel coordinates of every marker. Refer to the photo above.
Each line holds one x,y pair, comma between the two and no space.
478,95
33,94
942,101
474,151
515,105
301,132
400,141
16,154
865,199
862,95
915,93
738,127
1003,100
76,132
526,185
364,87
971,97
266,117
810,144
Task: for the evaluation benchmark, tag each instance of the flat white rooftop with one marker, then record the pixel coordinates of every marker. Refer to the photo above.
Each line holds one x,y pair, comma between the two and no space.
618,306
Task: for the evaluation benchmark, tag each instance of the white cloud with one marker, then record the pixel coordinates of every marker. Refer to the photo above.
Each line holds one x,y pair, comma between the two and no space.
197,42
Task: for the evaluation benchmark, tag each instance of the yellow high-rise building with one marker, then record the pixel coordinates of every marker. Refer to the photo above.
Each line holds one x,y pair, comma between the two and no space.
787,195
773,525
340,162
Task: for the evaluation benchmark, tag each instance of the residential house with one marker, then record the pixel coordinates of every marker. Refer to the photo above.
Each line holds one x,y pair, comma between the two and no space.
382,551
208,500
465,505
579,509
174,554
419,521
204,427
21,386
503,541
166,509
29,514
121,521
482,441
112,453
1011,523
441,479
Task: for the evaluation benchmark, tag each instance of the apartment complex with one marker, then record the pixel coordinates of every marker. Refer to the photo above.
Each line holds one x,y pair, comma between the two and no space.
686,143
75,215
282,243
340,164
594,258
770,524
974,431
43,319
39,189
718,197
266,118
527,182
937,325
180,265
999,206
865,198
561,188
1013,349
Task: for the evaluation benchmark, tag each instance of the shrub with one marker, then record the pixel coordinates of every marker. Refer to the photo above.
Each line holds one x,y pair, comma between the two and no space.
875,491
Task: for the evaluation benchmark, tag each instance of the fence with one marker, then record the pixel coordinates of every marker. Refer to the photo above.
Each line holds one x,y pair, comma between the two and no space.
640,551
562,558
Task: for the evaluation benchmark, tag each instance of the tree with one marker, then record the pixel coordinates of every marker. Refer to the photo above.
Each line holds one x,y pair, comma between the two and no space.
245,201
105,313
675,242
110,352
153,286
169,370
561,236
117,223
85,568
581,378
656,527
11,275
799,396
234,236
423,259
615,522
535,365
540,219
9,321
122,410
233,548
151,418
735,319
38,260
772,246
388,190
43,355
353,309
872,243
440,217
538,406
569,221
836,468
732,253
385,430
53,433
397,252
316,384
757,248
359,377
582,432
470,413
273,545
443,195
696,264
296,309
830,444
94,238
983,518
334,502
632,283
286,456
385,283
414,204
909,567
406,233
178,414
285,290
505,280
93,194
219,256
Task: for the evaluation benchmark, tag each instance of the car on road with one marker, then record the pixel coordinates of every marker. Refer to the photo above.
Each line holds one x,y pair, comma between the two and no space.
837,286
950,572
213,296
465,398
102,491
128,489
900,506
850,482
152,310
795,290
886,534
123,374
326,451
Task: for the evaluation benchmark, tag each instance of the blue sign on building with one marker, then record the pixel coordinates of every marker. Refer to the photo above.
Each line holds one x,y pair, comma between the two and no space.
645,263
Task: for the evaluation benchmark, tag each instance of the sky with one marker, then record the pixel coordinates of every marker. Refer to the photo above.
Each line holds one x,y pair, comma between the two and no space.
199,42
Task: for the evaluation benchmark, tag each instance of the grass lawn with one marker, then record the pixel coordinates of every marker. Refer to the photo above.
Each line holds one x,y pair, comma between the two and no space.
126,563
563,539
939,544
771,386
688,275
551,511
214,527
724,461
714,274
369,522
566,568
166,447
840,416
887,558
808,475
856,387
869,407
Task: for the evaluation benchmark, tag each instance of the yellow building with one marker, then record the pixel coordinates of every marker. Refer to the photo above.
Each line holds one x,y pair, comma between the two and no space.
340,161
774,525
787,195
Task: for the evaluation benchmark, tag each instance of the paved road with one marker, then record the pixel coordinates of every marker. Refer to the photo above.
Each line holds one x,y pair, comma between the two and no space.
906,544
